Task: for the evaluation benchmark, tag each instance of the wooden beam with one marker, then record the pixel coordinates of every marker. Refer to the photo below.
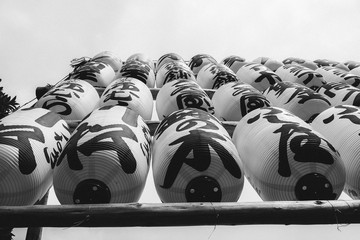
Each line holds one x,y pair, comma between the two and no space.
182,214
35,233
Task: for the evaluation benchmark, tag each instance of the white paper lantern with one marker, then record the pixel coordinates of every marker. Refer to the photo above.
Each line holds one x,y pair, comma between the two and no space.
109,58
214,75
302,75
194,159
106,159
333,74
97,73
340,94
272,64
233,62
71,99
182,94
234,100
257,75
199,61
141,57
352,64
341,126
166,58
31,142
173,70
301,62
355,71
284,159
331,63
129,92
138,70
297,99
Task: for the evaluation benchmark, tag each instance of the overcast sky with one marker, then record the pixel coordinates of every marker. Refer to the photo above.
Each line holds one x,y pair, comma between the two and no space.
39,38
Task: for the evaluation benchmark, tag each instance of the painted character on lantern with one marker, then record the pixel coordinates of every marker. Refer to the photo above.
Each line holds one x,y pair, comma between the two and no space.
302,141
346,114
111,140
88,71
61,98
200,150
122,92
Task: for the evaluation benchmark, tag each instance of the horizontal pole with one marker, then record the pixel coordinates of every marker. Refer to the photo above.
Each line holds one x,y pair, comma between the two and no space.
182,214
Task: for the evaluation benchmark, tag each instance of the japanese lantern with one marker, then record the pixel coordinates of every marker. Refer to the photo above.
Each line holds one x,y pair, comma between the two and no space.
182,94
285,159
257,75
108,58
341,126
166,58
340,94
301,75
173,70
199,61
129,92
31,141
71,99
139,70
272,64
106,159
213,76
194,159
234,100
334,74
97,73
297,99
233,62
301,62
141,57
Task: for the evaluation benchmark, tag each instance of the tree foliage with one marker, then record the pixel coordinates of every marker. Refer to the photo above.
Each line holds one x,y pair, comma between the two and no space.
7,104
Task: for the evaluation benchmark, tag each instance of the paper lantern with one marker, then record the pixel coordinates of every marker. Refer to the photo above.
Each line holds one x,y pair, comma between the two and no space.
173,70
214,75
355,71
97,73
129,92
234,100
268,62
301,62
257,75
302,75
72,99
166,58
106,160
143,58
233,62
341,126
297,99
285,159
199,61
194,159
340,94
331,63
108,58
139,70
31,141
182,94
352,64
333,74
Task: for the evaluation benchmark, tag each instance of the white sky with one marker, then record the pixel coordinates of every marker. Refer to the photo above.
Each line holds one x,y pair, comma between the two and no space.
39,38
